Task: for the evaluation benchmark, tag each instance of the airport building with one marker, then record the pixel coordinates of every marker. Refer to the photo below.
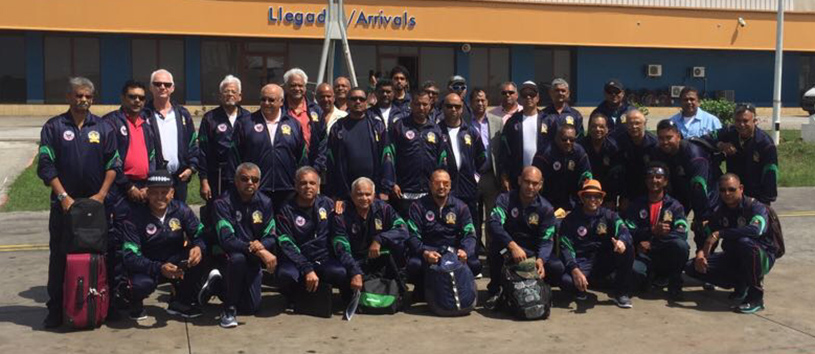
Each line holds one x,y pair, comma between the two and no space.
723,47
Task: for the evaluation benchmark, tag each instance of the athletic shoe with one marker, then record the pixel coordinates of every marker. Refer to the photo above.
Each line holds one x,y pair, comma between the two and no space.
177,308
750,307
581,296
492,301
208,289
137,313
660,282
738,295
623,301
52,320
479,276
708,286
228,319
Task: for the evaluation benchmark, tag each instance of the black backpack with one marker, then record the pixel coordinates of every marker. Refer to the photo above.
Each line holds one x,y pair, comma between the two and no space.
383,290
87,226
774,228
523,292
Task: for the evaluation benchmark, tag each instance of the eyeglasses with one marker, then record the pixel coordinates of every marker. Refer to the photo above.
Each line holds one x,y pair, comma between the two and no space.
729,189
247,179
356,99
160,84
507,92
459,87
267,100
613,92
136,97
452,106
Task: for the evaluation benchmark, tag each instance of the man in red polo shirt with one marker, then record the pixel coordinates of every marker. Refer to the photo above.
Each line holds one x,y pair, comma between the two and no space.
298,106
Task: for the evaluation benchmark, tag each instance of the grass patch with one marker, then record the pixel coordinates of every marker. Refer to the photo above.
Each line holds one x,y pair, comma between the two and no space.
28,193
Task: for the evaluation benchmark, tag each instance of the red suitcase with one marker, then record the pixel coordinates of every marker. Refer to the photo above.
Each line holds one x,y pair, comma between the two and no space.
85,296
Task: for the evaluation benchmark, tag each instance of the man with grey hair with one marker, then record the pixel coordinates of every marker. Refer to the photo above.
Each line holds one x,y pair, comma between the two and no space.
341,89
559,112
273,140
365,228
215,138
298,106
74,138
176,131
246,233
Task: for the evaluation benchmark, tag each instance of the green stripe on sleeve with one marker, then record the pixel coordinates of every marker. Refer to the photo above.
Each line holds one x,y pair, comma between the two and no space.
398,222
501,213
701,181
415,229
193,139
568,243
342,240
762,224
469,228
224,224
550,231
285,238
269,227
45,149
112,160
771,168
131,247
617,225
198,231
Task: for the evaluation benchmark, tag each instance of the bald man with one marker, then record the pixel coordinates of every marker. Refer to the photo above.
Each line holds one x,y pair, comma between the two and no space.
326,97
341,88
274,141
522,225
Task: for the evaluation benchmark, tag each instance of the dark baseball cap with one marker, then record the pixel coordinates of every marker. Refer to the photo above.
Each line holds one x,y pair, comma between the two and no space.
529,85
160,178
613,85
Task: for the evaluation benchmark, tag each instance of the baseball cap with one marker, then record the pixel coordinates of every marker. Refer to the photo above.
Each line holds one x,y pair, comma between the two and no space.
159,178
613,84
529,85
456,79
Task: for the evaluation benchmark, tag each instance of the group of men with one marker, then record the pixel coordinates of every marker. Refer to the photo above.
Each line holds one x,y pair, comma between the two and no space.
312,188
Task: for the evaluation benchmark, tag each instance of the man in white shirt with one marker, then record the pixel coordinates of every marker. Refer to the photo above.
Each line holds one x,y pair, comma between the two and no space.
509,102
521,137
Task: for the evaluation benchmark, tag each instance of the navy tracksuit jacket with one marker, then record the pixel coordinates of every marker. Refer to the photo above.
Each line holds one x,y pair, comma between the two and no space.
418,150
338,180
563,174
606,165
669,252
755,162
118,121
395,114
616,116
214,144
187,136
353,235
511,152
635,158
567,115
693,179
473,159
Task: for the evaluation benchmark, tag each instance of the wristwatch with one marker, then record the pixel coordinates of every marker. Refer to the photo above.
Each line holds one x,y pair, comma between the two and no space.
62,196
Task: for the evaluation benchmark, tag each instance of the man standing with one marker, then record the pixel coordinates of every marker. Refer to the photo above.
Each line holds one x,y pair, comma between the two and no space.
418,150
566,167
693,121
594,242
432,90
326,99
489,128
436,222
660,233
176,131
385,110
604,156
748,247
522,138
215,138
509,102
636,148
614,107
357,147
247,235
67,141
522,226
458,85
341,87
400,76
297,105
559,112
751,154
273,140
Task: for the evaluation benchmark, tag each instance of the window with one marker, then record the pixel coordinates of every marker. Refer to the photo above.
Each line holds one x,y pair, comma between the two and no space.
67,57
218,59
489,67
262,63
12,69
152,54
437,64
552,63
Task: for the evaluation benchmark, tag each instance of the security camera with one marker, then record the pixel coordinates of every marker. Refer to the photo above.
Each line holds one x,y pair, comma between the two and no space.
742,22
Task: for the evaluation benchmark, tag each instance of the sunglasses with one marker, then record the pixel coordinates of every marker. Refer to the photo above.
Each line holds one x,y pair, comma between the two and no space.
136,97
507,92
568,140
356,99
452,106
725,190
247,179
529,95
459,87
160,84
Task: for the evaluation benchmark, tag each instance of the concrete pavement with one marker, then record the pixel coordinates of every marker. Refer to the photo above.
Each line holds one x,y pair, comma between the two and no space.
703,323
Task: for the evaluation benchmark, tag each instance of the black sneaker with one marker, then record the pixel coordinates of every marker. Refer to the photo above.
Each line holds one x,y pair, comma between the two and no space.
52,320
750,307
676,294
660,282
738,295
177,308
623,301
137,313
708,287
492,301
208,290
581,296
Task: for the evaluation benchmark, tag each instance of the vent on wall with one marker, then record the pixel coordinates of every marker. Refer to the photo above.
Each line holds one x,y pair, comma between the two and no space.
676,90
698,71
654,70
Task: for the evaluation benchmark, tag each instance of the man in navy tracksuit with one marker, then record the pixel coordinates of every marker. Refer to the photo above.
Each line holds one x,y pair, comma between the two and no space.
614,107
593,243
438,223
522,225
77,159
605,158
636,149
466,156
303,238
418,149
162,242
173,126
751,154
748,249
660,233
565,166
400,76
364,230
245,226
273,140
522,137
357,146
692,176
385,109
560,112
215,139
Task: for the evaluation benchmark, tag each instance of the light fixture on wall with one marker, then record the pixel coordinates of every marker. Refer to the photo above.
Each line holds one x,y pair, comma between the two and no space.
742,22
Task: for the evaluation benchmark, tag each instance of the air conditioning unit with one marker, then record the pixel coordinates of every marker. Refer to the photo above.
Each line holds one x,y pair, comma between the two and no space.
654,70
699,71
676,90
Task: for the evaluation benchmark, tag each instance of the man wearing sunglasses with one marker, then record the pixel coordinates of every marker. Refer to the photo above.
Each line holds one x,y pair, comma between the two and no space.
385,110
522,137
458,85
432,90
177,138
566,167
594,242
614,106
509,102
750,154
660,231
357,146
245,226
273,140
560,112
748,249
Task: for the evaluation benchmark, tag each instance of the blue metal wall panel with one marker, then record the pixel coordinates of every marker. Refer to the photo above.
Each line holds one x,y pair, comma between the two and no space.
34,67
192,69
116,67
462,67
522,63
